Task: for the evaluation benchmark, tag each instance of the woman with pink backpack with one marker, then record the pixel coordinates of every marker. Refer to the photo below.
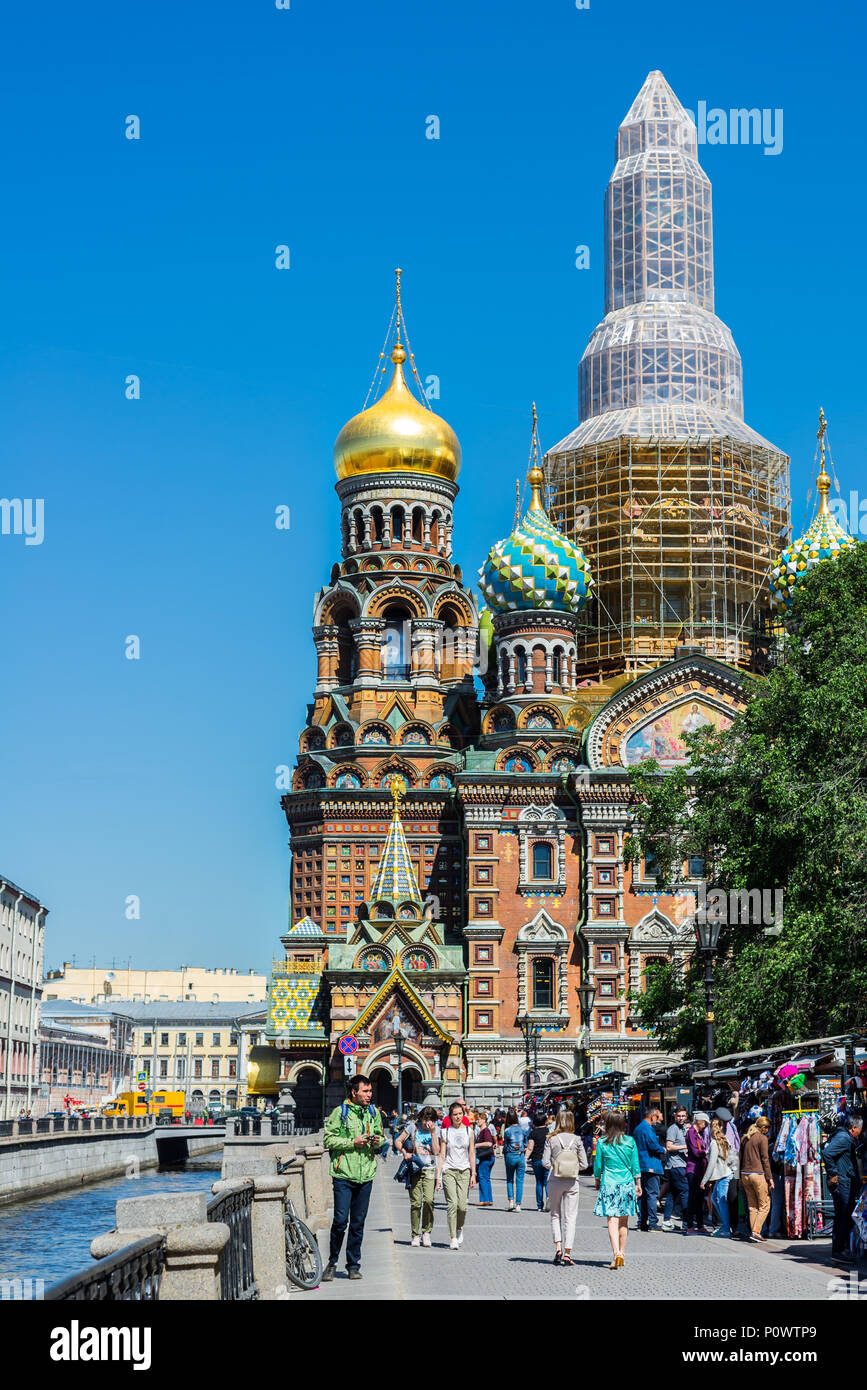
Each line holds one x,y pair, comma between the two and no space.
564,1156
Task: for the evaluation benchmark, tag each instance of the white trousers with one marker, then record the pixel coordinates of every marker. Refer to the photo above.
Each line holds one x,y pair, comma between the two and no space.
563,1200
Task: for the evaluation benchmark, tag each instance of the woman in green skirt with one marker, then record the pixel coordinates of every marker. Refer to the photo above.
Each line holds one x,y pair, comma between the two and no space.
618,1181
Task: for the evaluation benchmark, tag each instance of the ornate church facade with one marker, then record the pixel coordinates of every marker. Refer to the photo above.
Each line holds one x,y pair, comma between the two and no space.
460,801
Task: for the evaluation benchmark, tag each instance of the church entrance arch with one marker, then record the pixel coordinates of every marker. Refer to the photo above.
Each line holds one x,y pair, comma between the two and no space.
384,1089
307,1094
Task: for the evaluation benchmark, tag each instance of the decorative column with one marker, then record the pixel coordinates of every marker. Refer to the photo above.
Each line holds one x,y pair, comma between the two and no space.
426,633
367,633
326,640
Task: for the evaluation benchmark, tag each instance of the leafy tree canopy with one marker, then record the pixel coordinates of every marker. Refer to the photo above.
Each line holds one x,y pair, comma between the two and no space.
777,801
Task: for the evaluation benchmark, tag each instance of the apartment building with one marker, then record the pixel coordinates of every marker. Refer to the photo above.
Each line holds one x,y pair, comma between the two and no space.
22,945
198,984
200,1049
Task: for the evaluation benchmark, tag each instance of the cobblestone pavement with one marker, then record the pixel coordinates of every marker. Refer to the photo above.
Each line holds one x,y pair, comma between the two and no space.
509,1256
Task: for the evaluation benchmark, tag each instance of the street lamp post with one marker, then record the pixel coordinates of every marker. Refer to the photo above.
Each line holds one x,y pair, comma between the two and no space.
399,1035
530,1030
708,922
586,997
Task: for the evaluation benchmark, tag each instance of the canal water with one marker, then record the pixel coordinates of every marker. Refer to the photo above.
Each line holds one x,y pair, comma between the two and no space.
48,1238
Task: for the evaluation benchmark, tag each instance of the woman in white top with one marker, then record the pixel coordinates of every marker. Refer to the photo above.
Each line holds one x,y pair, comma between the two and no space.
565,1156
456,1170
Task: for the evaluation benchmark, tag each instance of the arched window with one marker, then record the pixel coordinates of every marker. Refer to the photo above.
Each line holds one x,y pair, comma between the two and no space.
397,517
557,667
395,645
418,524
543,860
521,665
543,983
376,518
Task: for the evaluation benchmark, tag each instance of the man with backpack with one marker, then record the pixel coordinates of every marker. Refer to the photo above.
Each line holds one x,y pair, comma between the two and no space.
564,1156
353,1137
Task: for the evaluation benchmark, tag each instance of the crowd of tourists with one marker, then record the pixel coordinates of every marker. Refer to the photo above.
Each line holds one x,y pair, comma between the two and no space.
686,1177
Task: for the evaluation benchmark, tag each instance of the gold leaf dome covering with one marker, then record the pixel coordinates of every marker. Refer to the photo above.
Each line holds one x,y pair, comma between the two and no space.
397,434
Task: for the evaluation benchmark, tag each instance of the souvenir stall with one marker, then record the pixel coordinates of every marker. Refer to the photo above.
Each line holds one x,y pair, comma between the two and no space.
801,1089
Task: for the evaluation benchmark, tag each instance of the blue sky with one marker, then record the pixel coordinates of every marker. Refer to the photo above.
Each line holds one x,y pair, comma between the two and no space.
306,127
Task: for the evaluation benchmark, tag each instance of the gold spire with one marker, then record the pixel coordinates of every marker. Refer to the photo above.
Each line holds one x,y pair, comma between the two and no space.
823,482
396,788
398,433
535,476
397,274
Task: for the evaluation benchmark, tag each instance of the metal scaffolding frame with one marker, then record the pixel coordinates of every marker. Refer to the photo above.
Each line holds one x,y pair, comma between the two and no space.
680,536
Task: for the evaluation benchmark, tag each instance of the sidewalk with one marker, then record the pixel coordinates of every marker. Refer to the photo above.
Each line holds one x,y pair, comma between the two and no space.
381,1278
509,1255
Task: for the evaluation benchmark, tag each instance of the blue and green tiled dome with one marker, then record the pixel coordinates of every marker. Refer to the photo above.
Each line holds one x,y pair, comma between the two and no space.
823,540
536,566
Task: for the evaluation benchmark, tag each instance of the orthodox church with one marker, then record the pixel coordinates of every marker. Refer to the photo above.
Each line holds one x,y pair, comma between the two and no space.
461,910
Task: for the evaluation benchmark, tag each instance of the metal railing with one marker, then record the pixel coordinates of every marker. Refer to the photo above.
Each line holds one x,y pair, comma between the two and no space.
132,1274
277,1125
236,1258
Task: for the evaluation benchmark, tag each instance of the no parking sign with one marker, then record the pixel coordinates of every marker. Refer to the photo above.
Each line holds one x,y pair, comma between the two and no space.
348,1044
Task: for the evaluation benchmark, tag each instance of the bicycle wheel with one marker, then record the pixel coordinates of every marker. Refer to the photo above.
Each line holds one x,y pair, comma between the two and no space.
303,1260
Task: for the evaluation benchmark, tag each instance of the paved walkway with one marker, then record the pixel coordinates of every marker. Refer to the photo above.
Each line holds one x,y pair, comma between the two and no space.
509,1256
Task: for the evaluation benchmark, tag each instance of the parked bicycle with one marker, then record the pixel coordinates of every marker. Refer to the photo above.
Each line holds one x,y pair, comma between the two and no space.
303,1260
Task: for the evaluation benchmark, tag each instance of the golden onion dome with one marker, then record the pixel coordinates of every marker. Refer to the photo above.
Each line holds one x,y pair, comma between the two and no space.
397,434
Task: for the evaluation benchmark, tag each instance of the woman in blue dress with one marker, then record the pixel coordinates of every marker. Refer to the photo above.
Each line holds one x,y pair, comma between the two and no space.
618,1181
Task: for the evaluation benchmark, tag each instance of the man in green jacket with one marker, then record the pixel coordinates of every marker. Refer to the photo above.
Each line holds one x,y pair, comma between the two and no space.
353,1135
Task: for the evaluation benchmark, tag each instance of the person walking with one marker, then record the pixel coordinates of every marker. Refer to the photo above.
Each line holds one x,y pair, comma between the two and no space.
418,1141
514,1155
456,1170
678,1188
756,1178
618,1181
485,1158
651,1158
717,1176
696,1162
840,1156
733,1139
535,1155
563,1157
353,1136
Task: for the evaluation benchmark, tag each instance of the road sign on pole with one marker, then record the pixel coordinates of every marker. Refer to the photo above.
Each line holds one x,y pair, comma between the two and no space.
349,1065
348,1045
141,1076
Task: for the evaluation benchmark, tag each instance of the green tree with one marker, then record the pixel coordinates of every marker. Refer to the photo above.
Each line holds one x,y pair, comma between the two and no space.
777,801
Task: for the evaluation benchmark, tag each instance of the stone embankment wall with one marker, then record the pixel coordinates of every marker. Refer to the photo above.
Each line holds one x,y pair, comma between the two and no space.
34,1167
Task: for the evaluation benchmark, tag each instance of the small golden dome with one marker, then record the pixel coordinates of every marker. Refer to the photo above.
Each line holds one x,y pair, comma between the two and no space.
397,434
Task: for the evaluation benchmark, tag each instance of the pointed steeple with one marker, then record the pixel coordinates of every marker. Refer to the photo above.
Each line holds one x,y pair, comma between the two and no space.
659,118
823,539
395,877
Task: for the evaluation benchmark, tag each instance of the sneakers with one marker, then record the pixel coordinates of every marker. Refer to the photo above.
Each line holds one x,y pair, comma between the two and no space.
354,1273
454,1244
460,1237
327,1274
667,1226
511,1206
425,1240
517,1208
416,1240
